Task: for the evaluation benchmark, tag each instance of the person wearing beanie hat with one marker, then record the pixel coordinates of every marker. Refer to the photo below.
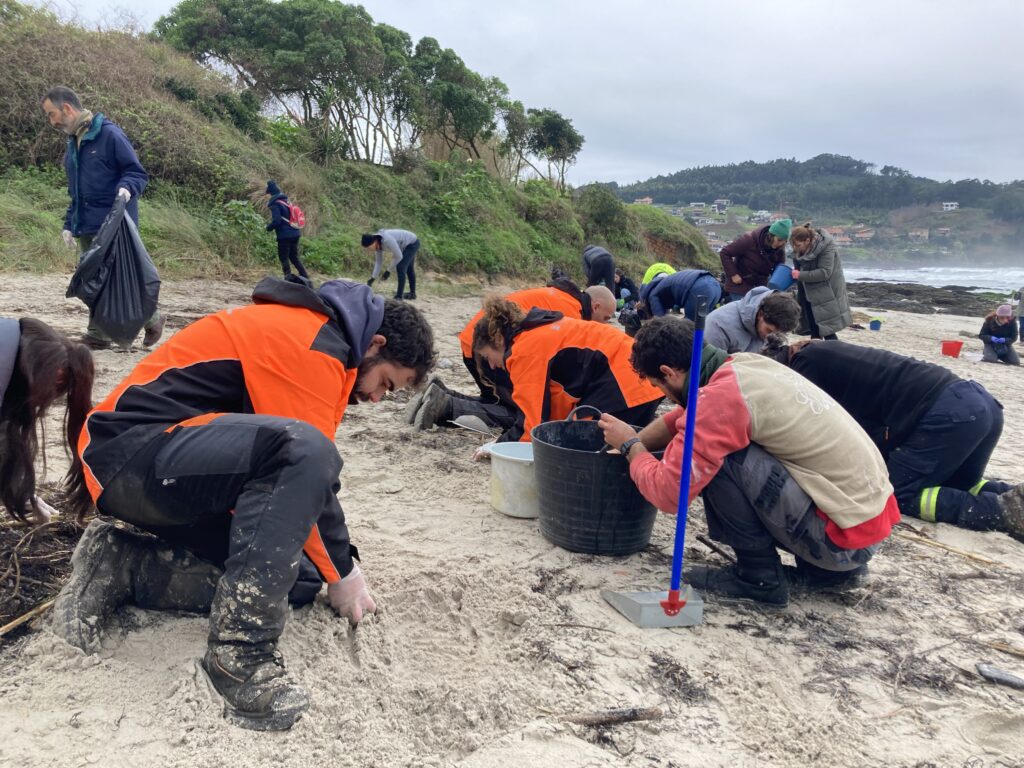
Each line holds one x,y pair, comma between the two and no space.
288,234
750,259
998,333
781,228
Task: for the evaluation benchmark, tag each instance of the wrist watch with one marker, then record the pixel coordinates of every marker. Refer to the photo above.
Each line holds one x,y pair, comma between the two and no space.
628,445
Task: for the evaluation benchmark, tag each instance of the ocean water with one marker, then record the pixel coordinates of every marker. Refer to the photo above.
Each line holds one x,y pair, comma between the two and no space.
996,279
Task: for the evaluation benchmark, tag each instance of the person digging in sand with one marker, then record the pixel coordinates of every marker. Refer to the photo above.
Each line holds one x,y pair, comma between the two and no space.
220,445
786,468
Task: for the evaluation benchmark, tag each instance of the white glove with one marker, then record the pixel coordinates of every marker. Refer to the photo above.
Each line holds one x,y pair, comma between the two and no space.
350,596
69,239
124,194
483,453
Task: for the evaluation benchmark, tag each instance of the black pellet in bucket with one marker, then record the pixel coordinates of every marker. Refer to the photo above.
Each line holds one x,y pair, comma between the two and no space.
587,500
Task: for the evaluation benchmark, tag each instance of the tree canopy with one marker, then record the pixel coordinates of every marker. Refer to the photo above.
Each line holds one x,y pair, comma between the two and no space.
363,90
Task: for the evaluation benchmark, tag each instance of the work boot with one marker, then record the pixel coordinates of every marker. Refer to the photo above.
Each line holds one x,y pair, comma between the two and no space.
814,579
112,567
413,406
101,582
257,692
756,575
154,332
94,342
436,406
1011,504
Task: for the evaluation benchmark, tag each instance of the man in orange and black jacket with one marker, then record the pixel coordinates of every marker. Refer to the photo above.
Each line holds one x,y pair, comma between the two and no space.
221,444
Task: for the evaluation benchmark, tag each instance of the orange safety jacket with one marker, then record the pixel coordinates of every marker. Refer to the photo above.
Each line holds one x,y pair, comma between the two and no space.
556,363
289,356
550,297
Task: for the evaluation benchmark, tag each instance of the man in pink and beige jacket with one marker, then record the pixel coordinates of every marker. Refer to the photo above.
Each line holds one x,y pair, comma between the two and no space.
778,462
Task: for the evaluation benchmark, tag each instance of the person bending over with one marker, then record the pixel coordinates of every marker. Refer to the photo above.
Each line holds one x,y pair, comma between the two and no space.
743,324
935,431
38,367
494,406
221,446
555,363
788,468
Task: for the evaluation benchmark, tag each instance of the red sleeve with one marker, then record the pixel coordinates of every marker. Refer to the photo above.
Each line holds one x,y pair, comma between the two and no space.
714,439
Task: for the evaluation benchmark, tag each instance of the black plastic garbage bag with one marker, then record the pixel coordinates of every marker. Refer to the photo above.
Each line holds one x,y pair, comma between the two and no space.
116,278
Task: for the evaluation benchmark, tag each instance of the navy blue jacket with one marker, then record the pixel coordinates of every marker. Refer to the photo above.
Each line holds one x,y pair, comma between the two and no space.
670,291
99,166
282,215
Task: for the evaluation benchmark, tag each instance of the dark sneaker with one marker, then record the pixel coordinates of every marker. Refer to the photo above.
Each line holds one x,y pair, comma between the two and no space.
257,692
1011,504
814,579
154,333
727,582
435,407
101,582
94,342
411,296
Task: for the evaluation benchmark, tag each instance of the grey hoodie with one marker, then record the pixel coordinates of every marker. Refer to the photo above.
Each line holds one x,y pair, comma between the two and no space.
394,241
733,327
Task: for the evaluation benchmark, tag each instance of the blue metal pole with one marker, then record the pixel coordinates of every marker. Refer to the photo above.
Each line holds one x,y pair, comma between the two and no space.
674,604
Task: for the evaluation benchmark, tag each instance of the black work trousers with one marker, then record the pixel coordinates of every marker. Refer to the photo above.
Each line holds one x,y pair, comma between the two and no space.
243,492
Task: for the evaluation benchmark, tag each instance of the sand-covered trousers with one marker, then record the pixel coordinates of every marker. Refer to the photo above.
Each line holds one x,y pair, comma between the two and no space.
242,491
753,502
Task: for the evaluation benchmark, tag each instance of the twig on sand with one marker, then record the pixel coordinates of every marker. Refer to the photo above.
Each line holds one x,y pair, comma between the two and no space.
916,537
41,608
715,548
579,626
1004,647
614,716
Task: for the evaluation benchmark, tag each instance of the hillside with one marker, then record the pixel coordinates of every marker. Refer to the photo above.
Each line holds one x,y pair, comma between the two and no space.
209,149
903,213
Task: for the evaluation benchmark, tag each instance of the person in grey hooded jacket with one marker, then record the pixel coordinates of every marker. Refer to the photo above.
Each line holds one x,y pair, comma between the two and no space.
744,324
403,246
599,267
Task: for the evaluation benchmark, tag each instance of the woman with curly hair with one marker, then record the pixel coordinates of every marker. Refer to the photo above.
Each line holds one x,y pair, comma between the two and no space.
38,367
556,363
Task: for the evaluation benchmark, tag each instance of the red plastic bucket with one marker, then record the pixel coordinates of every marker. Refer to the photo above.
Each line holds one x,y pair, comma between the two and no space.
952,348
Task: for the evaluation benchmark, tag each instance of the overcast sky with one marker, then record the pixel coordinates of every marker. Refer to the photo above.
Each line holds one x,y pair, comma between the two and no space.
932,86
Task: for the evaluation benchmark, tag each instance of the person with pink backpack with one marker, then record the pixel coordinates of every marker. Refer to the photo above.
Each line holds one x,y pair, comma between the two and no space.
287,221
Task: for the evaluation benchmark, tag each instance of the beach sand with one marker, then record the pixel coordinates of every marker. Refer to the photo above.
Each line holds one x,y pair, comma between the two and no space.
487,635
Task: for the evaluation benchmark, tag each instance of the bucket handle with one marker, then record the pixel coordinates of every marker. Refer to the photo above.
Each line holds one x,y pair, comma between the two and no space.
572,413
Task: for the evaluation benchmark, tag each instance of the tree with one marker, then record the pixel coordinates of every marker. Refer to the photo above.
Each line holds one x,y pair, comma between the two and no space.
553,138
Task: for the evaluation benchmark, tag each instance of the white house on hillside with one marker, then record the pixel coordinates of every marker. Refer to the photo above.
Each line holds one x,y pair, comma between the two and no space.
951,206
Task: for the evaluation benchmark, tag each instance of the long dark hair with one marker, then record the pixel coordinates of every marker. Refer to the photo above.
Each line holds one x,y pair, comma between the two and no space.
49,366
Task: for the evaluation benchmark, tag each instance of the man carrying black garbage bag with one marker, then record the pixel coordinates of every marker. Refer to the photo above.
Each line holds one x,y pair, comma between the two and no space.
788,468
101,166
221,445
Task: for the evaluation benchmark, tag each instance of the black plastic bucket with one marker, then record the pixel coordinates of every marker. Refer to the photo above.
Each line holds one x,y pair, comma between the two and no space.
588,502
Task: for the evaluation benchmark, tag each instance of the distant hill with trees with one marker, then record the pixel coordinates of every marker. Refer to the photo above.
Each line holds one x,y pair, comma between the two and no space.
827,186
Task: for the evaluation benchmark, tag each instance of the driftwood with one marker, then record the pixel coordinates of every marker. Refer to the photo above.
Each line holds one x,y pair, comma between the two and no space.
715,548
947,547
614,716
1004,647
39,609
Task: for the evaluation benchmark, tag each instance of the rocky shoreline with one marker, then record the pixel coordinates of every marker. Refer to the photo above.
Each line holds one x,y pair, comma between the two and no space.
923,299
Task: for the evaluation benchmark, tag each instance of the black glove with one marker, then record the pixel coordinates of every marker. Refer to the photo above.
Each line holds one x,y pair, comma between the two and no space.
386,275
370,281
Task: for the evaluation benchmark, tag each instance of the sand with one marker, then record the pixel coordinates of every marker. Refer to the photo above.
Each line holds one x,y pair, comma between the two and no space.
487,634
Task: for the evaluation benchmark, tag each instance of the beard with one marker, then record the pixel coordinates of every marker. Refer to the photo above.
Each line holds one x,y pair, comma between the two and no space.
365,366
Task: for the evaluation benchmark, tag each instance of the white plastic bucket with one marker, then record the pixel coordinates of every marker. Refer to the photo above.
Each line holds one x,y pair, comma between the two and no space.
513,488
